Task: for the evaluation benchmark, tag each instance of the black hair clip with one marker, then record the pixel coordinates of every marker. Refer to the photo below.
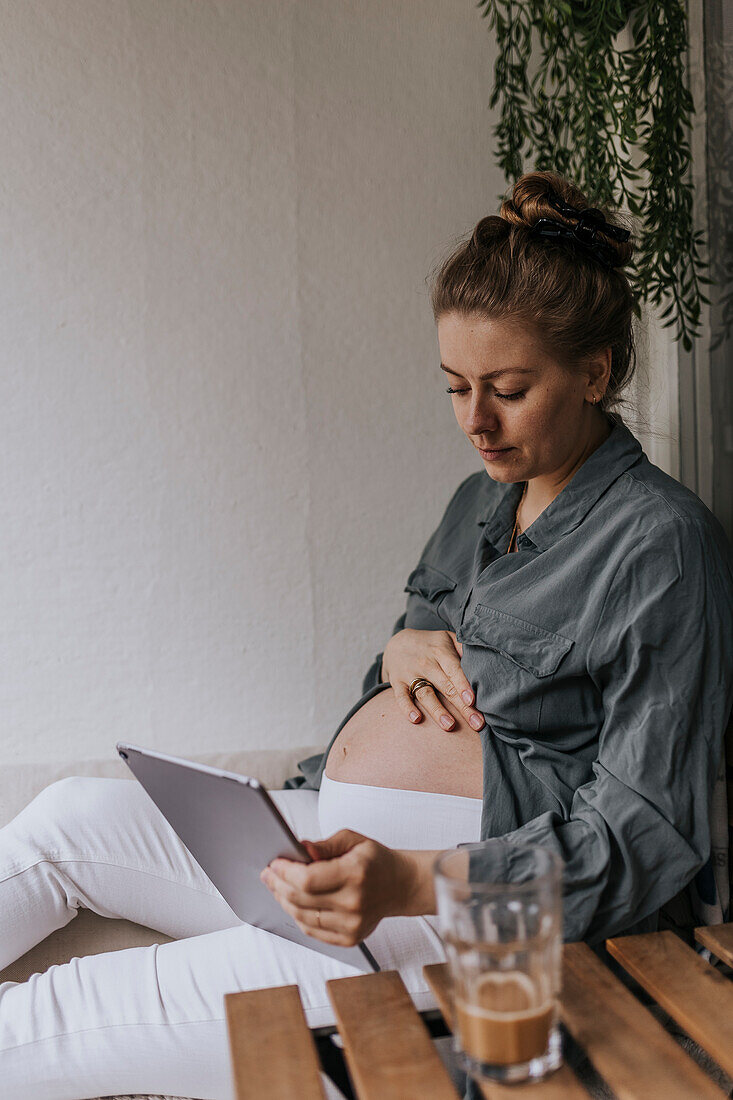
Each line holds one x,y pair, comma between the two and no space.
590,220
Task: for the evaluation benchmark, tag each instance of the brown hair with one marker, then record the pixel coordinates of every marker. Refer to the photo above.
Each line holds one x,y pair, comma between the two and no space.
558,287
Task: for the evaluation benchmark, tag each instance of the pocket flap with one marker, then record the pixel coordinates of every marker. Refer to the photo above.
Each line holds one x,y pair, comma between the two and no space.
428,581
532,648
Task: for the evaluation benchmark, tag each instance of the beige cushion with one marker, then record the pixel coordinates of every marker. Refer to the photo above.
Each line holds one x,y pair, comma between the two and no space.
19,783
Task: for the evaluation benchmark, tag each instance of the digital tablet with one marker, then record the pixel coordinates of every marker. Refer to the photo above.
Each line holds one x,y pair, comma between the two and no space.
233,829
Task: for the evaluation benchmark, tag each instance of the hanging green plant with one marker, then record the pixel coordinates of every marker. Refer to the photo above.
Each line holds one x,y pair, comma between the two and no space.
588,106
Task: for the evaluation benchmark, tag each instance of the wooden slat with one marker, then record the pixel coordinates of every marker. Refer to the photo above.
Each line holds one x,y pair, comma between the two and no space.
626,1044
437,976
561,1085
718,938
694,993
388,1049
272,1050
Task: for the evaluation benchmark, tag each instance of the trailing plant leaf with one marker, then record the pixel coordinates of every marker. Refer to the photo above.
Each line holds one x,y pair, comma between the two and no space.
588,108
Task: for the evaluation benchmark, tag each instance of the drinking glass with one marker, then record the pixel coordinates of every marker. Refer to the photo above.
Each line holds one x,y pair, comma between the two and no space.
500,921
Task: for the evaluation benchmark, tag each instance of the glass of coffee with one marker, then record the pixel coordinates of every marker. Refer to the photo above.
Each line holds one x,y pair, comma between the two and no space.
500,921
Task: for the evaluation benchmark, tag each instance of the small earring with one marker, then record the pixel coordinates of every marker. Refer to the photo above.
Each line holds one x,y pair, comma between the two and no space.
594,399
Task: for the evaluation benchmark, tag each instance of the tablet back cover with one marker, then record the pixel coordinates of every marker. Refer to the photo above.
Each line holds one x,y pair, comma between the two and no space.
227,824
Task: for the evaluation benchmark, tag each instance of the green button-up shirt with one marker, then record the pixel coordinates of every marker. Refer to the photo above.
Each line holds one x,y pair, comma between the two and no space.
601,656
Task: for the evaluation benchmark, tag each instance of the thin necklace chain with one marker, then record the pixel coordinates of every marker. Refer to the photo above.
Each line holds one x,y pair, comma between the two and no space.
516,518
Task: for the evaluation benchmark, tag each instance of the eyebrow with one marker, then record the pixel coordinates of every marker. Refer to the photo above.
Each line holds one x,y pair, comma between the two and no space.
493,373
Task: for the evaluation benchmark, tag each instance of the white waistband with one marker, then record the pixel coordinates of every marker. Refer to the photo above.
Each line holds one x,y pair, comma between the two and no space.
369,790
398,818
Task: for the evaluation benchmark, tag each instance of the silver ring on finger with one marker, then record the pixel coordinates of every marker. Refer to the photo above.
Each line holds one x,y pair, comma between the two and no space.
418,683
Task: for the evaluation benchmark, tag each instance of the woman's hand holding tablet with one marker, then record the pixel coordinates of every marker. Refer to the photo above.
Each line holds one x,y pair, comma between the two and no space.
352,883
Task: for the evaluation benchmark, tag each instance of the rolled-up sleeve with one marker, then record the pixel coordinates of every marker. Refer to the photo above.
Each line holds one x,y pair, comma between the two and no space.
661,658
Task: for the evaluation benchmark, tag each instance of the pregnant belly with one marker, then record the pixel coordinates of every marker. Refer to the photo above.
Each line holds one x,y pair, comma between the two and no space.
380,747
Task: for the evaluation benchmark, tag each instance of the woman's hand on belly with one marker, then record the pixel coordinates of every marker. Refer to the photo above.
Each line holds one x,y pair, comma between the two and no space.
434,654
380,747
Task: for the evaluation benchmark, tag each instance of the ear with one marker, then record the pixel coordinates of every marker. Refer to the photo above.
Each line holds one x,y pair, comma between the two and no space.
598,369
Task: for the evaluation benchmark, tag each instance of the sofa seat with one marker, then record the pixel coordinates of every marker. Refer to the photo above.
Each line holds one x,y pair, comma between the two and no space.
87,933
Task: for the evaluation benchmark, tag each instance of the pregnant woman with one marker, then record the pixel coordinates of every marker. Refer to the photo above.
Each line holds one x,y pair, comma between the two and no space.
562,674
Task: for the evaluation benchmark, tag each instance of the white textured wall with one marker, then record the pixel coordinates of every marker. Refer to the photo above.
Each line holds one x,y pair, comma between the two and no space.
223,434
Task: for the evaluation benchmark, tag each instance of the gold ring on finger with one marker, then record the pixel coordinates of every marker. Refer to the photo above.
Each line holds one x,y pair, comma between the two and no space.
420,682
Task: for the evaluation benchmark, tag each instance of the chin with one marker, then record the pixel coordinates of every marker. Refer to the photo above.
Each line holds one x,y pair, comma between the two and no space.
503,474
503,478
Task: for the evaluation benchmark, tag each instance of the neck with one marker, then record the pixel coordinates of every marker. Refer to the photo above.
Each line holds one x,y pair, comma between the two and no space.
541,491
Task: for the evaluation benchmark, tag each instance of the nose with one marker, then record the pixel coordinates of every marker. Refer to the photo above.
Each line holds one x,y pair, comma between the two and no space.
480,417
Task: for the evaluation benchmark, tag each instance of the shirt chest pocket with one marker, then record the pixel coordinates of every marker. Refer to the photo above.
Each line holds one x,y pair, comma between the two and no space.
510,664
428,588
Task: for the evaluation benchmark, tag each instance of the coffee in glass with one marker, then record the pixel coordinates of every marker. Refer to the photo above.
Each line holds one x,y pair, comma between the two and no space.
499,912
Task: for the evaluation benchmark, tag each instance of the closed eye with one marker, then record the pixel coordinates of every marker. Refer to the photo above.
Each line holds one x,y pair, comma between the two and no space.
503,396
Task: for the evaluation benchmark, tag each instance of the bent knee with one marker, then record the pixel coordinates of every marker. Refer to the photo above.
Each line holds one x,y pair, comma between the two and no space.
78,798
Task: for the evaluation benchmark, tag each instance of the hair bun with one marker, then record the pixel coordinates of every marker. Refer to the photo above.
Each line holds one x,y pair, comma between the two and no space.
549,196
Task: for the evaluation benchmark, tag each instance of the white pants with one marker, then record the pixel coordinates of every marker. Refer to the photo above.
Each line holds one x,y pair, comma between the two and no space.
151,1019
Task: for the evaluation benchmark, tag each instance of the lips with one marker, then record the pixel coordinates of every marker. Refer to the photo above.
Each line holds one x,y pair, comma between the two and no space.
494,455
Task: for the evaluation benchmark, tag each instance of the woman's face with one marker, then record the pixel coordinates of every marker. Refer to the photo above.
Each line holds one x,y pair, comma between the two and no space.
527,415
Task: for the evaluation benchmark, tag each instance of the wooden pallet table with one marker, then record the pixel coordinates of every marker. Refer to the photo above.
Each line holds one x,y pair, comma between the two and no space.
390,1055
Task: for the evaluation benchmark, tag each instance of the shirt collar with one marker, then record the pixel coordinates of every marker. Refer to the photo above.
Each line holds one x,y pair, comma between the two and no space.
570,507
